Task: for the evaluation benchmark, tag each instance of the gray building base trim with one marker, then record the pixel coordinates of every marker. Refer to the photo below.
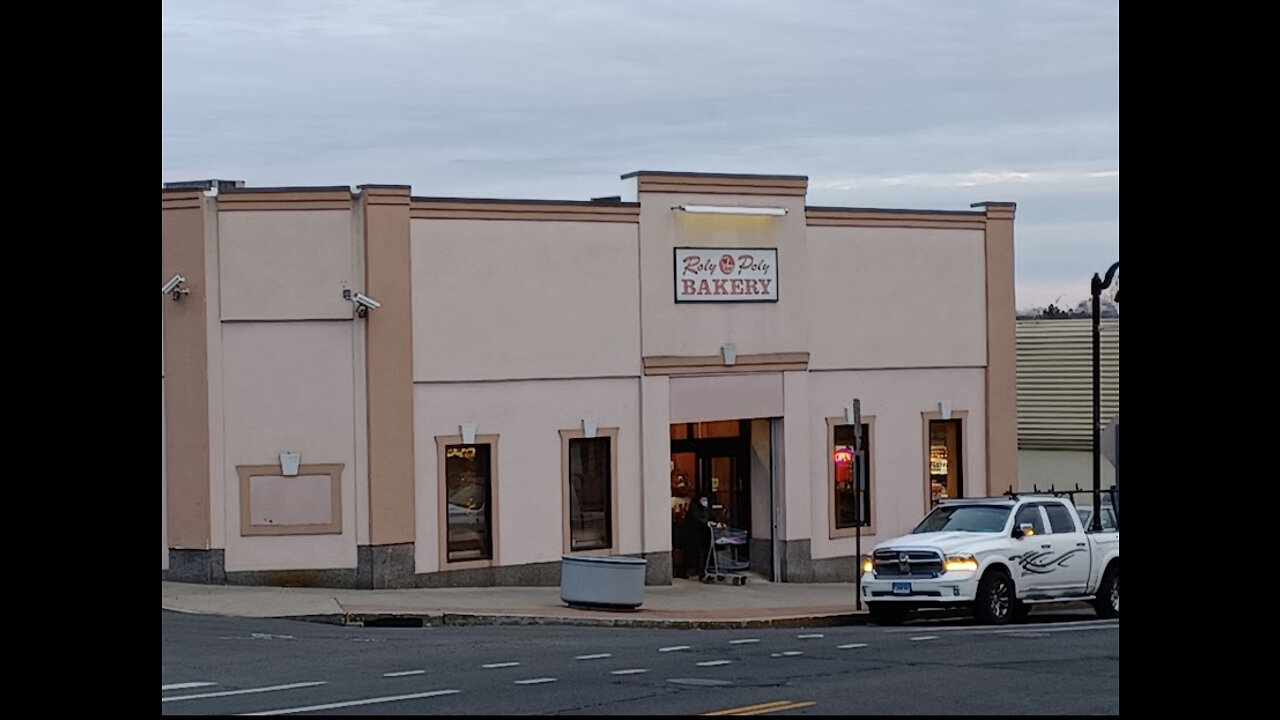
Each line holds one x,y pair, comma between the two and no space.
532,575
657,572
205,567
383,566
326,578
208,567
760,555
798,565
658,568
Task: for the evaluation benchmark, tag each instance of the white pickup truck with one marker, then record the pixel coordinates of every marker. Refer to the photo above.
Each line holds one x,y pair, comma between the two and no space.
997,556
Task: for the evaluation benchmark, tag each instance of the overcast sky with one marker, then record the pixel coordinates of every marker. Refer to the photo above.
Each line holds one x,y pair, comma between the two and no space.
920,104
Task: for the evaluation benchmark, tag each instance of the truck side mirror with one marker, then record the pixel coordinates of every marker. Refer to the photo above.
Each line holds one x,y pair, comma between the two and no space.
1024,530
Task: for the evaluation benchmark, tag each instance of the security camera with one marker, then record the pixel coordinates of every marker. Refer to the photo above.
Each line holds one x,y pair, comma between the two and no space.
173,284
174,287
363,303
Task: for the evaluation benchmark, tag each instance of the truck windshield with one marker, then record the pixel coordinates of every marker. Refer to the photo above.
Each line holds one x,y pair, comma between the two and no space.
964,518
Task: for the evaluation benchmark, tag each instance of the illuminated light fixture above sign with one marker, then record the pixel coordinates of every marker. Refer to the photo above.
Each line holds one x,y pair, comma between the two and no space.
731,209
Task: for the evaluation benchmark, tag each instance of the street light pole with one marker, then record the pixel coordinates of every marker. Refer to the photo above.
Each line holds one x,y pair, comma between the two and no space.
1095,288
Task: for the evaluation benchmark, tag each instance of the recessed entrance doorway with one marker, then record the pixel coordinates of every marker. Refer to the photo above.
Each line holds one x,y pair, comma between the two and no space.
716,460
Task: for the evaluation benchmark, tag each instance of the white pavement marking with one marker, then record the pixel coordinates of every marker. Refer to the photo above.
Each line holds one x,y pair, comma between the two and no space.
491,666
925,637
597,656
744,640
535,681
788,653
1046,629
673,647
810,635
632,671
184,686
246,691
713,663
403,673
353,703
698,681
1056,627
851,645
269,636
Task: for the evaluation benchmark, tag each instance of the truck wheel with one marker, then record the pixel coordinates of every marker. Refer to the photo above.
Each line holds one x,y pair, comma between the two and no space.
995,602
1019,612
886,613
1107,604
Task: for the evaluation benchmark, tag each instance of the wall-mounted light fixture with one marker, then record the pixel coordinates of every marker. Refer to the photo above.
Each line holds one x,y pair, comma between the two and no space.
363,303
944,409
731,209
589,427
468,433
729,353
289,462
174,287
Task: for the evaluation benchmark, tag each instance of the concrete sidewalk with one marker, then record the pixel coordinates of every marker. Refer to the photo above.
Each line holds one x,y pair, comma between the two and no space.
685,603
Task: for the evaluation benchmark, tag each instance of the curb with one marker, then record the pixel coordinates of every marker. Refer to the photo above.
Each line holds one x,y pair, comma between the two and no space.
184,611
422,620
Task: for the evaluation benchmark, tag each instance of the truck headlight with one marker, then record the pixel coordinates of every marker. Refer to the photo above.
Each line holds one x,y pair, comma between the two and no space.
867,564
960,563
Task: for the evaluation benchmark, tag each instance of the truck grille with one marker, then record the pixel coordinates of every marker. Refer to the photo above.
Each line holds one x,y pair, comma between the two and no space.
907,563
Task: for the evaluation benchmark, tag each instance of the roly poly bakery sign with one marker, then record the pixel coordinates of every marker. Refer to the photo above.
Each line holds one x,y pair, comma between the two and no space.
726,275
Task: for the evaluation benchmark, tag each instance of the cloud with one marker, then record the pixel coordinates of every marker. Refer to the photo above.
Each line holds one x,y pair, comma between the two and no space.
1011,179
882,103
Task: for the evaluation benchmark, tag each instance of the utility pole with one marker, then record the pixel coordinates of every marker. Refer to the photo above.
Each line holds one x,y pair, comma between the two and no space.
859,484
1095,289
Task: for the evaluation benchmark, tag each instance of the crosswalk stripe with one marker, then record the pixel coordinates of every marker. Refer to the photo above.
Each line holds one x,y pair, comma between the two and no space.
353,703
185,685
246,691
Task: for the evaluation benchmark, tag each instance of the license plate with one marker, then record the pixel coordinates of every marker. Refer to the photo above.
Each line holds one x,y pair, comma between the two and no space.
902,588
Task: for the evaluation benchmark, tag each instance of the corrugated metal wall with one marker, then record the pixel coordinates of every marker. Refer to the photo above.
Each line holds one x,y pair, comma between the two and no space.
1055,382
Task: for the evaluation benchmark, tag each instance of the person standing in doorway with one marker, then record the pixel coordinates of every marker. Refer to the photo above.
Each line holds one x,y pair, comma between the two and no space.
697,535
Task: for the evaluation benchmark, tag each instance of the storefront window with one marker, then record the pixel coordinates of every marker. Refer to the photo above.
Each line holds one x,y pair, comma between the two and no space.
945,478
590,486
852,503
467,490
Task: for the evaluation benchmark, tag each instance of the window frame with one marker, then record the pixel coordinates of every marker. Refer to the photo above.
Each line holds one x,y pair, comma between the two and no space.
442,503
1067,515
965,455
566,539
333,527
1038,508
834,532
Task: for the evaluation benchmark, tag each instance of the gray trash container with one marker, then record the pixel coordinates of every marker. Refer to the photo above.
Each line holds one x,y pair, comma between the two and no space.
602,582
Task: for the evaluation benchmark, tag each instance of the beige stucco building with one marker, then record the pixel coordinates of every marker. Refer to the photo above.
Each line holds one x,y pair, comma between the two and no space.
538,378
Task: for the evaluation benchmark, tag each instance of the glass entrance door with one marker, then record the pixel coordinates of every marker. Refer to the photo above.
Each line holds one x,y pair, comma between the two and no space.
721,479
714,472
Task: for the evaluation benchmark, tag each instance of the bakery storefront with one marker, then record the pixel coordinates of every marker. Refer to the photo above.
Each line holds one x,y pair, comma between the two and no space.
526,380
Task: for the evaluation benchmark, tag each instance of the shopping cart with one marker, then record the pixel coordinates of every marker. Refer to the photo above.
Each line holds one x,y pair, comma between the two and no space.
724,559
